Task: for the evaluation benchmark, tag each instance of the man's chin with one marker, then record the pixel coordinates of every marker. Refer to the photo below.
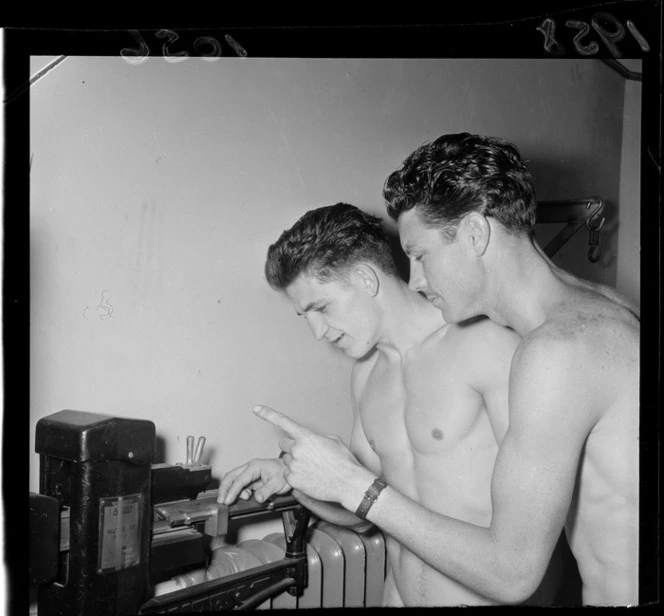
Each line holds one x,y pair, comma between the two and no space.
359,353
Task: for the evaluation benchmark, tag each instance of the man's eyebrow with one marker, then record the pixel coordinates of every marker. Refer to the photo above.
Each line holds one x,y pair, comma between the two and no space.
309,306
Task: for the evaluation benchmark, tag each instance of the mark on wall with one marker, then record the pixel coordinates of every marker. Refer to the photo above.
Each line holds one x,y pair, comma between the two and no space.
149,258
105,305
288,147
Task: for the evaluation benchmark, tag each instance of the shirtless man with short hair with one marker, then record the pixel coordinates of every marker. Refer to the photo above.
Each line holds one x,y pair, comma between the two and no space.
465,207
429,399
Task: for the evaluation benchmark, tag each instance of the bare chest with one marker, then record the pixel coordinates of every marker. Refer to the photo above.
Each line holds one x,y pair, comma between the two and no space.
422,408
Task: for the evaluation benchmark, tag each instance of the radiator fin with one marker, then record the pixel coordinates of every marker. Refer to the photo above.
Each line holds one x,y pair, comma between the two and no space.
355,562
345,568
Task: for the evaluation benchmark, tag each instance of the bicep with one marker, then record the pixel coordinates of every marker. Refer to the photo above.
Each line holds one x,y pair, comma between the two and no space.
491,368
536,466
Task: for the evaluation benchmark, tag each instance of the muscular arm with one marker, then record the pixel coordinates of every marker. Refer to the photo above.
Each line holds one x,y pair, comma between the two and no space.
334,512
488,350
331,512
532,485
266,476
361,449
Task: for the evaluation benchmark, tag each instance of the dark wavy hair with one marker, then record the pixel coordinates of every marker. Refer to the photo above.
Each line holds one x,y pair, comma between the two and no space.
325,243
459,173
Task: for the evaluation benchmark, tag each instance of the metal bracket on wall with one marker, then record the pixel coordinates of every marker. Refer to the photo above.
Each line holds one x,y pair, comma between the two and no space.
622,69
576,214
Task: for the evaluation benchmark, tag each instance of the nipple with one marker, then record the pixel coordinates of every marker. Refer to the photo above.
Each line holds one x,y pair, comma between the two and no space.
437,434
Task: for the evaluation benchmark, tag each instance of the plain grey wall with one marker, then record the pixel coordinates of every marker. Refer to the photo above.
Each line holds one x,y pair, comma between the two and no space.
157,188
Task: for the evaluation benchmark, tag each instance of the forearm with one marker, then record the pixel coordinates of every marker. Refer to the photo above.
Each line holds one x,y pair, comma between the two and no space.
531,489
333,513
471,555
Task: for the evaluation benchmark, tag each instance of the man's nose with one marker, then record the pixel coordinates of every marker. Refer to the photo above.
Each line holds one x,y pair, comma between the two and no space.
318,328
416,280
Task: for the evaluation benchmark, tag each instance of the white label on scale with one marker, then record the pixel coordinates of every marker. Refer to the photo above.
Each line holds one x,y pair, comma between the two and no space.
120,532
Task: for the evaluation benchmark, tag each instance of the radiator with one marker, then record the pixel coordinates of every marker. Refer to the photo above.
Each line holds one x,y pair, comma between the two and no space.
344,568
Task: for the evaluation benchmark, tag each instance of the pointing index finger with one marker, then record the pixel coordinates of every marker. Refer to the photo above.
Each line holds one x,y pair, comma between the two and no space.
293,429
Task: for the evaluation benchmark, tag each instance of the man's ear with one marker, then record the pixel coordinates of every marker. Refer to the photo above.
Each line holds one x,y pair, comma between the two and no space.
478,231
369,277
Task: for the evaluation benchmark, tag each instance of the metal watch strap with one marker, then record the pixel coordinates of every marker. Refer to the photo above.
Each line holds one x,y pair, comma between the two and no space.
370,497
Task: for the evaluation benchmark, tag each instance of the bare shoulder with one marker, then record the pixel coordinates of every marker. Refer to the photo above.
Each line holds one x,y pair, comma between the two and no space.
480,352
484,336
592,318
583,285
587,339
605,292
618,298
581,332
